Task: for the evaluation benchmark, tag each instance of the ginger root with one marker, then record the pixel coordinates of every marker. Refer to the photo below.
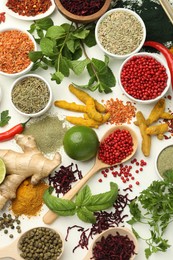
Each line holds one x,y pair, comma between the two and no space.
21,165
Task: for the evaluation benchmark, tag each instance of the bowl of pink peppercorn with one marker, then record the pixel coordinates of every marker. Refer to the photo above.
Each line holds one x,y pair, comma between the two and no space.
144,77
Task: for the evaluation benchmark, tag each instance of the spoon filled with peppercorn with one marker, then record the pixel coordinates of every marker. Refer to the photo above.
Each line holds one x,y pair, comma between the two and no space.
39,242
117,145
119,241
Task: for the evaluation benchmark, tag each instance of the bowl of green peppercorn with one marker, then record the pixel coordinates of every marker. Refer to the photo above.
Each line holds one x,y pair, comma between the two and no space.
37,243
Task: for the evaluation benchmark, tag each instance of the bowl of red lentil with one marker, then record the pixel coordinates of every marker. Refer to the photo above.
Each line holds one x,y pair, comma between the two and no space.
144,77
15,45
120,32
119,241
31,95
80,11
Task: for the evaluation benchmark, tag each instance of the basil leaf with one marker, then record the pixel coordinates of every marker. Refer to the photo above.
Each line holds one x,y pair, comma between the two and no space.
86,215
55,32
104,200
60,206
83,197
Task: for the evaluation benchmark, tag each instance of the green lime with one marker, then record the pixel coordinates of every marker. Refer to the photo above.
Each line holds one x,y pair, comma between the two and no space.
2,170
81,143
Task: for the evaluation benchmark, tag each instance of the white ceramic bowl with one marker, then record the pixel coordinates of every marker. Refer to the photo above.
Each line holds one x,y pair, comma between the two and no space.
112,30
46,107
148,101
27,69
167,163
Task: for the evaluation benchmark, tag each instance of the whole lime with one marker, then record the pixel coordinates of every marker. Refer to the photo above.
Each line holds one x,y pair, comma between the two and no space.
81,143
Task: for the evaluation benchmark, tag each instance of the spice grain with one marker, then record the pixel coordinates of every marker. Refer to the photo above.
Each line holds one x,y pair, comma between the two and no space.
120,113
29,7
30,95
15,46
120,33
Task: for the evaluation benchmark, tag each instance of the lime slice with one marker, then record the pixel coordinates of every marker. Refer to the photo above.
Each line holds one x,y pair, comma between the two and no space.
2,170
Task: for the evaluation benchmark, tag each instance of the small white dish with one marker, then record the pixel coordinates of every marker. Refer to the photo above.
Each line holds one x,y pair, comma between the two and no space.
156,57
27,69
28,18
164,161
111,29
29,98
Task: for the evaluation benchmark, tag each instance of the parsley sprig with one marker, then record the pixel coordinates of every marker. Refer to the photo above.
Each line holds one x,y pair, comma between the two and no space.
154,207
4,118
62,47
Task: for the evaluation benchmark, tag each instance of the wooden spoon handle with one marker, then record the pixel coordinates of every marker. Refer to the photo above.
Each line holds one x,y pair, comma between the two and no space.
11,251
50,216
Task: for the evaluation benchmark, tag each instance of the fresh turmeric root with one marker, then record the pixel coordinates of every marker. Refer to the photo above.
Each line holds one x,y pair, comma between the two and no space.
70,106
83,96
21,165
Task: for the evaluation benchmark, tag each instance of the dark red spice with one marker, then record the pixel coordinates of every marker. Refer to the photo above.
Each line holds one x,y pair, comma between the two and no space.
29,7
82,8
62,179
144,77
114,247
116,147
2,17
104,220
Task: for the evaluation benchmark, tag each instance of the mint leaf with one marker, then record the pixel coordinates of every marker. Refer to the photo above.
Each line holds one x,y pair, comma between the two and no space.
35,55
85,215
58,77
4,118
44,23
60,206
83,197
78,66
55,32
47,47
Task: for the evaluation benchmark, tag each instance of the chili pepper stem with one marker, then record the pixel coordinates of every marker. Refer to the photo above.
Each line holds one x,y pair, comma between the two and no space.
23,124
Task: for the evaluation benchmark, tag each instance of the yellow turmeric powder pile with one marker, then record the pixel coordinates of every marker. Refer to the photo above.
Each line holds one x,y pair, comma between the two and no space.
28,199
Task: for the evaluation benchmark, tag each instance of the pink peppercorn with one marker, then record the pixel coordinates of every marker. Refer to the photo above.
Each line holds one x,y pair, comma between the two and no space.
116,147
143,77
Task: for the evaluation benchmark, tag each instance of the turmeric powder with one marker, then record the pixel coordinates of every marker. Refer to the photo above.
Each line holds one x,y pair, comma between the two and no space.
28,199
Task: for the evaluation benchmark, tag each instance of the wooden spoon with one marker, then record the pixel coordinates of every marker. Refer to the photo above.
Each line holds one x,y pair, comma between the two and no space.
113,231
13,250
50,216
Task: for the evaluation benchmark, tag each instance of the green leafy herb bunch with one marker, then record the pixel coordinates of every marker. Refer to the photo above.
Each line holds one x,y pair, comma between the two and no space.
62,47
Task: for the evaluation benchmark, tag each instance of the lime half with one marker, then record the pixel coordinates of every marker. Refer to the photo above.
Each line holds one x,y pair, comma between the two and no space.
2,170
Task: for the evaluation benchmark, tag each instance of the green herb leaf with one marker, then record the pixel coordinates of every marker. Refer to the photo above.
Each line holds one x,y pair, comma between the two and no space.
58,77
35,55
60,206
44,23
55,32
85,215
47,47
78,66
83,197
168,175
103,200
4,118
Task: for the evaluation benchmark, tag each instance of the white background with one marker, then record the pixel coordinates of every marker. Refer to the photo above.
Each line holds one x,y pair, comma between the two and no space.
62,92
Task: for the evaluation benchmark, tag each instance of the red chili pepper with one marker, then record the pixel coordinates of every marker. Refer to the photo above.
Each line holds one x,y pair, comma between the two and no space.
166,53
17,129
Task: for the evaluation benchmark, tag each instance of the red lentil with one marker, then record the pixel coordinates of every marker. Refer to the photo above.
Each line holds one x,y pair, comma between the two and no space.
144,77
29,7
120,113
14,48
116,147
